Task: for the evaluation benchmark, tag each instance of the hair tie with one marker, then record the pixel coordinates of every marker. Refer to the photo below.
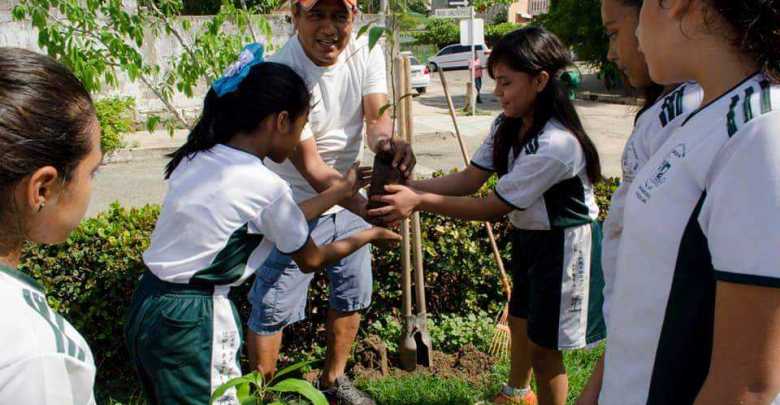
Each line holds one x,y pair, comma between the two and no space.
250,56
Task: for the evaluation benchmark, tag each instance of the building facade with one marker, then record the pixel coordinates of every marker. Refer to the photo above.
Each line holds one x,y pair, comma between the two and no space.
523,11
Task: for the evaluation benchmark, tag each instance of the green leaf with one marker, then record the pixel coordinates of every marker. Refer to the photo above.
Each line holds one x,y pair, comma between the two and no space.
384,109
152,122
374,34
301,387
292,368
222,389
365,28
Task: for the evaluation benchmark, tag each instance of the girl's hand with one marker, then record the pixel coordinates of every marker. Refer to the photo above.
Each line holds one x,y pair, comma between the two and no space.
401,203
383,237
356,178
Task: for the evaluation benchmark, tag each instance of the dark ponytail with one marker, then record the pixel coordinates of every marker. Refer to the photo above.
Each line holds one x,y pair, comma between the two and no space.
46,118
269,88
535,50
755,27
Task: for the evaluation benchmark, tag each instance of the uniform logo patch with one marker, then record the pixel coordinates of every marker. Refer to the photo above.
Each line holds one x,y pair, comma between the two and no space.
659,177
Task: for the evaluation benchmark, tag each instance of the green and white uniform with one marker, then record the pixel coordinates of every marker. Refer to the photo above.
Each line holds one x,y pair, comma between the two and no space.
703,209
653,127
222,215
556,262
44,360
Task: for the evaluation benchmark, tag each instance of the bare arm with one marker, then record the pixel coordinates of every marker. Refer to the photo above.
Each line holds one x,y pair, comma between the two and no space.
379,133
321,176
342,189
462,183
403,201
313,258
746,347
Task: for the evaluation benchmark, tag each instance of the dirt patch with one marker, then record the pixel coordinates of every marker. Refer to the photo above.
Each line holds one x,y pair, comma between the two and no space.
468,364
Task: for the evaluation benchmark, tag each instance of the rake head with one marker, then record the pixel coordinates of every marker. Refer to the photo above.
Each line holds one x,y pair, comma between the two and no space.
502,337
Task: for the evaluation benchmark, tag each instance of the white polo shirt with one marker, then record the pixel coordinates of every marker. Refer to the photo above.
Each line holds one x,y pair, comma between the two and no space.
704,208
547,182
44,360
336,120
652,129
224,209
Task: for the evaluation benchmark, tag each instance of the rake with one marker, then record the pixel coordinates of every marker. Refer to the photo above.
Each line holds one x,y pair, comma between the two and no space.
499,345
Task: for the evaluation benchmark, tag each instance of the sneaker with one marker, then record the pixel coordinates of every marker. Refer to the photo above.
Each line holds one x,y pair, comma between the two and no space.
529,398
345,393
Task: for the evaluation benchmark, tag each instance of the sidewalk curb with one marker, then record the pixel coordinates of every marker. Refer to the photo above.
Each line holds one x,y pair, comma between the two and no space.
609,98
138,154
143,154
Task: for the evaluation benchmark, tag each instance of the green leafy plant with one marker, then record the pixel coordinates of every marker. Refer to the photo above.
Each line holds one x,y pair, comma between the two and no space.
98,39
253,389
116,117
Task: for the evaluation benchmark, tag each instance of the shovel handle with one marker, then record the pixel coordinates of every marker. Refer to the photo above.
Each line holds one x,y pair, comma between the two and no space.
507,287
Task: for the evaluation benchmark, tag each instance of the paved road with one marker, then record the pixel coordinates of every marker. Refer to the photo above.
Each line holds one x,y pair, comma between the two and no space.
137,183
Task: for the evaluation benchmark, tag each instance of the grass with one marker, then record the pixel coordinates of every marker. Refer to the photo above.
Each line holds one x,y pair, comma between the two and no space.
433,390
420,389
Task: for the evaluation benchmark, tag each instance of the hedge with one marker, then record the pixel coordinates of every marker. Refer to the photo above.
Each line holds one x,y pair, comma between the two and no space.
91,277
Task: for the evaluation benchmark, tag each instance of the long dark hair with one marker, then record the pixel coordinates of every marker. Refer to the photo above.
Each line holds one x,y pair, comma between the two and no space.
535,50
755,30
269,88
45,119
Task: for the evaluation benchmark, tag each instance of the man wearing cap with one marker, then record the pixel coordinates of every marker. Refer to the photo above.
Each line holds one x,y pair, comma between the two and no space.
349,88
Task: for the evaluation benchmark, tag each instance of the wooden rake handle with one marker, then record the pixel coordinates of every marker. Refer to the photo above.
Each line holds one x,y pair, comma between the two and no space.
464,152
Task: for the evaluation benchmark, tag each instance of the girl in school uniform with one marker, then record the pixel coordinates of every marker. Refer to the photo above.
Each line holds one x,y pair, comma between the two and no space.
665,108
547,166
695,312
49,153
222,216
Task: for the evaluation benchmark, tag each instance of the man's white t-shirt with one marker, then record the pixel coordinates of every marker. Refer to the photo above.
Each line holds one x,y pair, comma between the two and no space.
336,119
44,360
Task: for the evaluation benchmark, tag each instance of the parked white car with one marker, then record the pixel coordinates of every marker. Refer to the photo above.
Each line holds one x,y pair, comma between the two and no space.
457,57
421,76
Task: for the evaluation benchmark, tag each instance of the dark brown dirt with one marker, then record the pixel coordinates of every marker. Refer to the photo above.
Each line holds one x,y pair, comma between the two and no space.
468,364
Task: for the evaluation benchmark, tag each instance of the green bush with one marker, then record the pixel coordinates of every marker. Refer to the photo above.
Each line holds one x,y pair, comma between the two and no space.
494,32
116,117
91,277
439,32
448,332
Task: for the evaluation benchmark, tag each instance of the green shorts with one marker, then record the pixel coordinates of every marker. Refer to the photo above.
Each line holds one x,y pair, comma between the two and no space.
184,341
558,285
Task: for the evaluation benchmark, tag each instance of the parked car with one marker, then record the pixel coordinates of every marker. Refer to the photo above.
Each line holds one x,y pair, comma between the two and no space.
457,57
421,76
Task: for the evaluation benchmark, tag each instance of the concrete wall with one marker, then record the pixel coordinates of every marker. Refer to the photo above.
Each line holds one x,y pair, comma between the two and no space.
155,51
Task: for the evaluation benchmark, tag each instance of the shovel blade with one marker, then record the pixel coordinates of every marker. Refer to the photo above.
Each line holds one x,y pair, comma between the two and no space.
423,341
407,348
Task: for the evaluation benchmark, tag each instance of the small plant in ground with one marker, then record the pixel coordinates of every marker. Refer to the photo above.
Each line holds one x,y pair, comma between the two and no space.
116,117
253,389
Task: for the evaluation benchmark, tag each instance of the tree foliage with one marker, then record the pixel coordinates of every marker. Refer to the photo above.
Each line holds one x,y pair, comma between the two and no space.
578,24
99,39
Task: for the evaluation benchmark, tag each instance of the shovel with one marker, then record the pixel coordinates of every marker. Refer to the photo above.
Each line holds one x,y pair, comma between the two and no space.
421,336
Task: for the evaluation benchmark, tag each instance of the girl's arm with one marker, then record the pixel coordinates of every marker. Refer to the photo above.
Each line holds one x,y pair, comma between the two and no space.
313,258
746,346
463,183
339,190
403,201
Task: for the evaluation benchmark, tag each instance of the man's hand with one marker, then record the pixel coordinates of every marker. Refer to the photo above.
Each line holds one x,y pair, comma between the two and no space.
403,159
